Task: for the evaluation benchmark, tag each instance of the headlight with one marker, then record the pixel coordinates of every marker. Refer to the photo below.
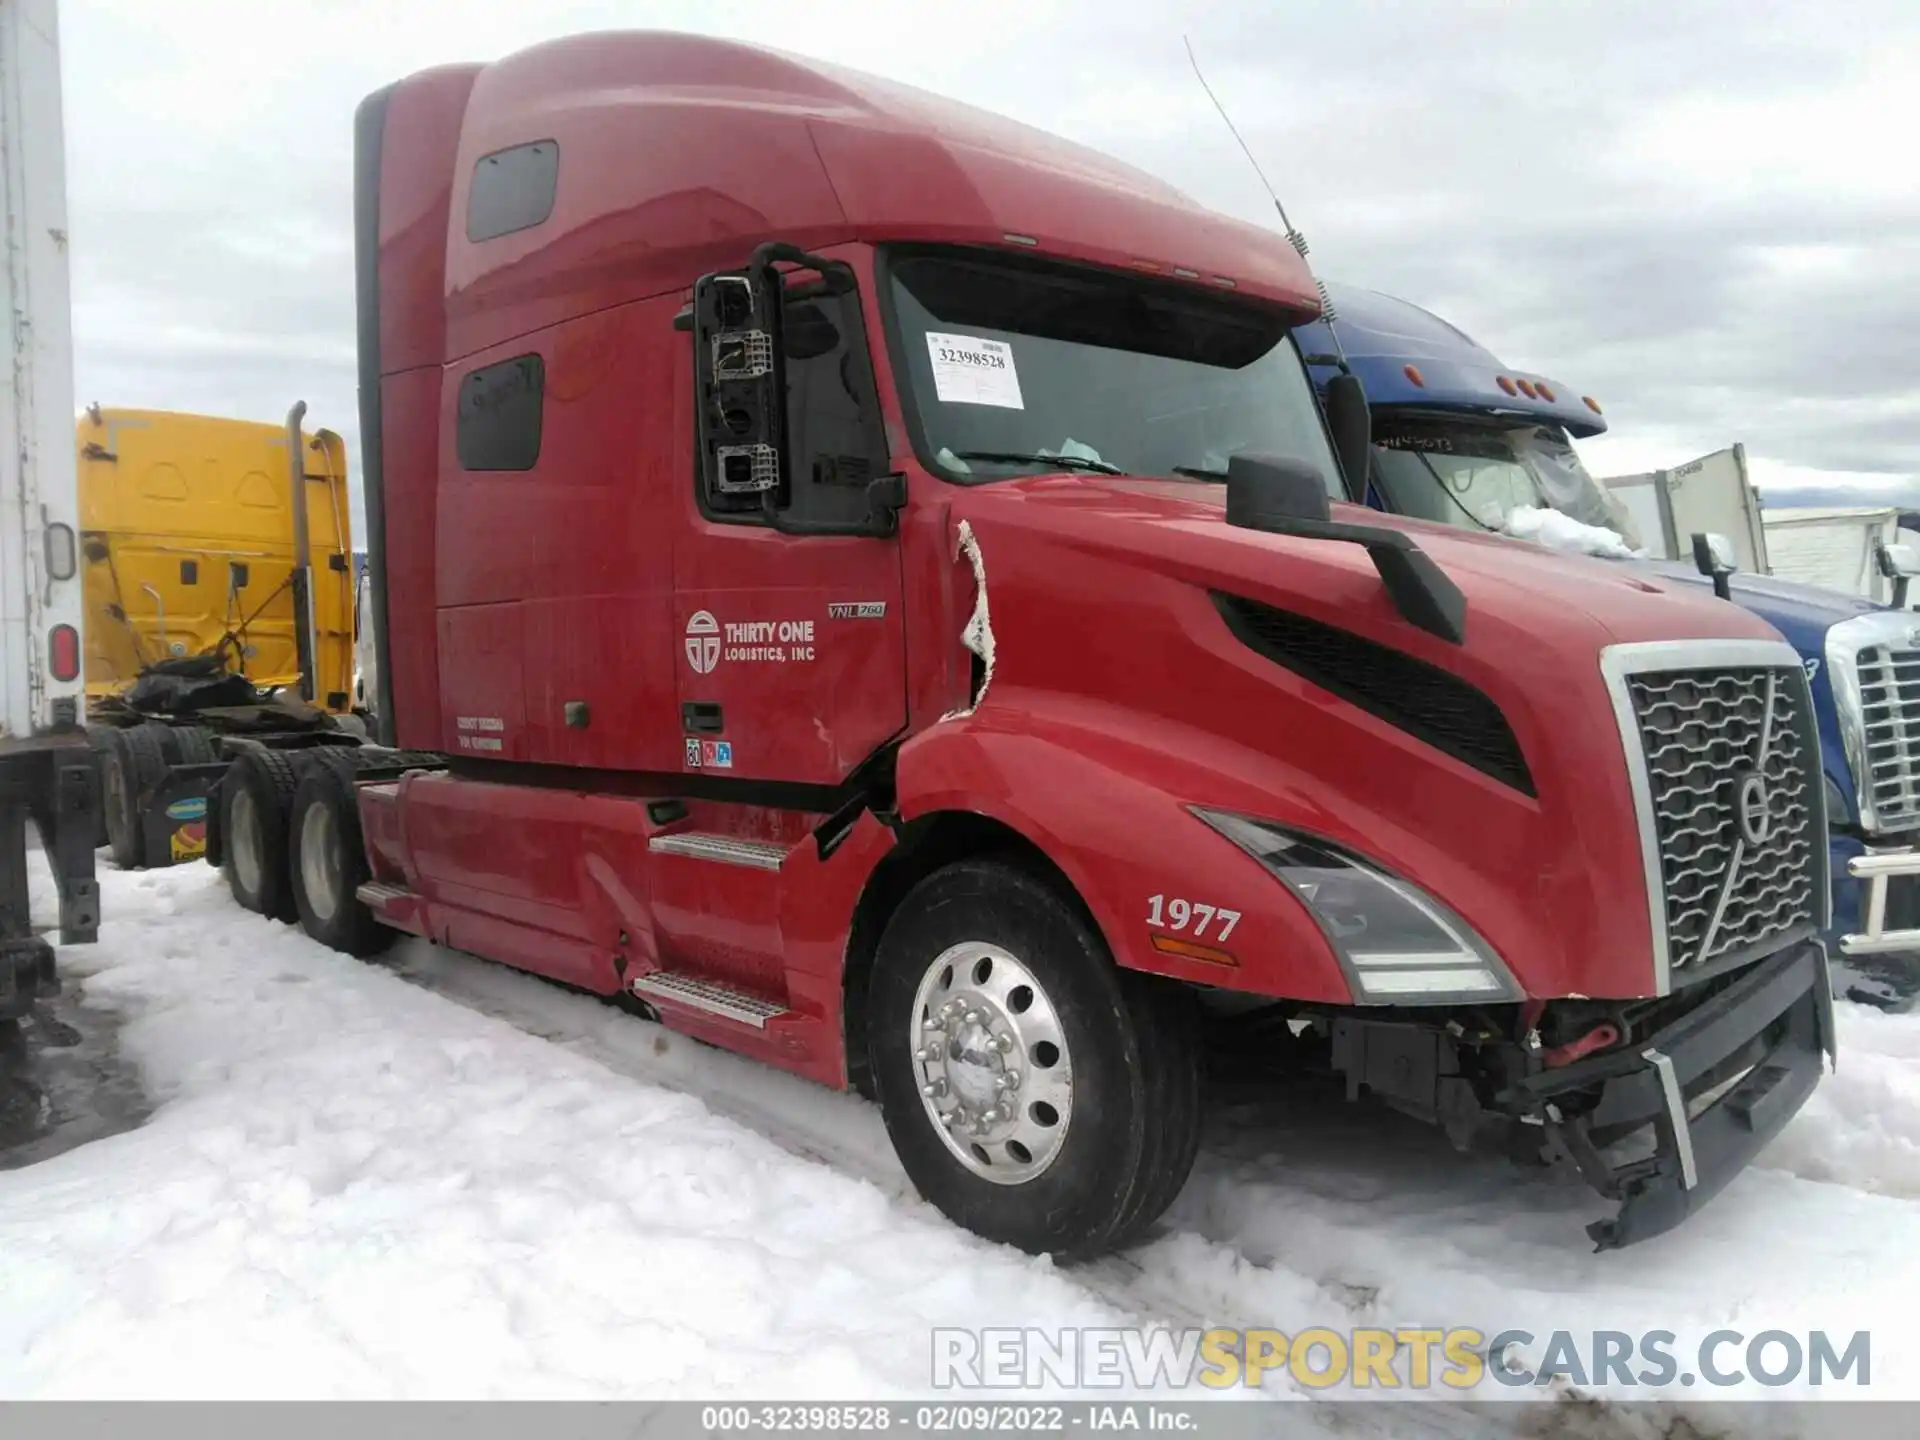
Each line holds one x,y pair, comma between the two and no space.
1399,944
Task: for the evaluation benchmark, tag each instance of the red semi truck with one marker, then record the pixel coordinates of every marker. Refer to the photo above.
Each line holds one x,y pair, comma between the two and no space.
871,583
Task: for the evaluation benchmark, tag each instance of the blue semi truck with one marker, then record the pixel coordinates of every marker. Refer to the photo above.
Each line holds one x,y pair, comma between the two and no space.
1463,439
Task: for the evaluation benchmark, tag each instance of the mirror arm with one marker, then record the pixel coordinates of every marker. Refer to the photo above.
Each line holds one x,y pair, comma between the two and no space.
1421,591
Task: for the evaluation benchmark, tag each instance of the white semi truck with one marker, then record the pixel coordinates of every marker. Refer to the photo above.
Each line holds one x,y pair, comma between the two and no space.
46,771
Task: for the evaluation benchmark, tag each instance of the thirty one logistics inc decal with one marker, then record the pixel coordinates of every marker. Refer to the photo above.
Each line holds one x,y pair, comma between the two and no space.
776,642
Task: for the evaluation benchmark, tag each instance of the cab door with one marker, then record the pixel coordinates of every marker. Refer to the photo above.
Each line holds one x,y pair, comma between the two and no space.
792,664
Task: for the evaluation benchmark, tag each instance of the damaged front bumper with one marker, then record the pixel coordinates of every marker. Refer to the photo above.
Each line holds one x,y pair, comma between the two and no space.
1715,1086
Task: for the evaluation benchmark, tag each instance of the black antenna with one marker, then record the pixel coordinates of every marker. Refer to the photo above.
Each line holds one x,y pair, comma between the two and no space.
1294,237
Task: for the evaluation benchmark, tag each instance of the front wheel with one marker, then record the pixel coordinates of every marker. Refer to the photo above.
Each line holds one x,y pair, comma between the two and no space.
1035,1093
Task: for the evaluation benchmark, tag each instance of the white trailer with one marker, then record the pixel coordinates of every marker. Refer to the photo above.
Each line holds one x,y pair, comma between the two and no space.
1711,495
46,770
1834,546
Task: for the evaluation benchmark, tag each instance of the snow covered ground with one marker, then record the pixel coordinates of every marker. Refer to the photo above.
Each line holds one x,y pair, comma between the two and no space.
433,1177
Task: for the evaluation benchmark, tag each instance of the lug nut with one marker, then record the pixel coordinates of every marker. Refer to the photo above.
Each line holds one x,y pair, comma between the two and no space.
933,1022
1010,1080
972,1017
934,1089
1003,1043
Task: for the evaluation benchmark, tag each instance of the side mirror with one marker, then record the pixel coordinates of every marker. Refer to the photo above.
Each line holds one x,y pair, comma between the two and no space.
1284,496
1263,489
739,384
1899,562
1351,424
1713,556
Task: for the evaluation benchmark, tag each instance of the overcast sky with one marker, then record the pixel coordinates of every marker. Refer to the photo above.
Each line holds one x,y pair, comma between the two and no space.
1706,214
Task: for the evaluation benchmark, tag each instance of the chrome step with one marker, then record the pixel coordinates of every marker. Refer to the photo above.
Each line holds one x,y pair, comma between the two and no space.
376,893
754,854
708,995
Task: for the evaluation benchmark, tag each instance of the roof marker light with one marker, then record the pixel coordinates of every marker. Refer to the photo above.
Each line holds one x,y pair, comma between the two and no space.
1186,274
1226,282
1013,239
1591,403
1507,385
1412,372
1546,394
1526,389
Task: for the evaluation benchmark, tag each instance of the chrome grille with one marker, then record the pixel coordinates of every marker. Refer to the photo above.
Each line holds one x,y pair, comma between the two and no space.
1727,783
1889,679
1703,731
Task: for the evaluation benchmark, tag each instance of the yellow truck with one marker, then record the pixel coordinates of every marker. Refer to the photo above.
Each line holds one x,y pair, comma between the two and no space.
203,633
187,542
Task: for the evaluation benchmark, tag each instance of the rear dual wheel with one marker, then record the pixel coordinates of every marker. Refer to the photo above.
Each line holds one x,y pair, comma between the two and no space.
132,763
1035,1093
328,861
256,809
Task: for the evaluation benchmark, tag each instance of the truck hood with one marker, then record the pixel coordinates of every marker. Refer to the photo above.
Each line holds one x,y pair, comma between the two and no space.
1789,604
1119,609
1504,581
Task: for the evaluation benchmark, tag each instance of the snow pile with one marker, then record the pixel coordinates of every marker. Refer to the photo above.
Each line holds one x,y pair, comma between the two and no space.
1861,1128
354,1187
441,1178
1566,534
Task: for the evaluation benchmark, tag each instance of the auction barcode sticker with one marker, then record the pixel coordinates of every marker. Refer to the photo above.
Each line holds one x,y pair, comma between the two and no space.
969,370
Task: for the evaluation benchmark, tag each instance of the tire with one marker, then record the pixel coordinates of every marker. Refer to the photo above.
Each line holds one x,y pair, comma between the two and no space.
1121,1087
255,796
193,745
133,763
327,861
100,737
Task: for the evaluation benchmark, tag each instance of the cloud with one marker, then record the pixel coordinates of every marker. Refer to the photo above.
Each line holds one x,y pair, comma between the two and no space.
1701,214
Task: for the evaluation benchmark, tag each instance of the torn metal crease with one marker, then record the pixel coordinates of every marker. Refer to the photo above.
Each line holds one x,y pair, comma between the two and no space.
977,635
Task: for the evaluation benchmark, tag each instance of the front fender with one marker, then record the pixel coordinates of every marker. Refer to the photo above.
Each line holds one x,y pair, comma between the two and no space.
1103,794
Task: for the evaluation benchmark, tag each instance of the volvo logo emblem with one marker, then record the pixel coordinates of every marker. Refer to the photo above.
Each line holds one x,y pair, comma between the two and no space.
1750,807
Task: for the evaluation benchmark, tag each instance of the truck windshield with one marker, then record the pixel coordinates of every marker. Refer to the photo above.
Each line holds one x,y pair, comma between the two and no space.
1012,367
1475,476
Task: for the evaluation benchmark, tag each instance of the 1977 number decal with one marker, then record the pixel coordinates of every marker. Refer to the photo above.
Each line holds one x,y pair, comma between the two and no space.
1190,916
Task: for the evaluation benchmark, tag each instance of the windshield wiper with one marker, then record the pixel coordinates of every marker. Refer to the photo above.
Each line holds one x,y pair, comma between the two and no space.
1197,472
1064,462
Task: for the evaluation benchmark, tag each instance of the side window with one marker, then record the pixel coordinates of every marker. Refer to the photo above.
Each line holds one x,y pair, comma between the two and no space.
512,189
832,413
497,426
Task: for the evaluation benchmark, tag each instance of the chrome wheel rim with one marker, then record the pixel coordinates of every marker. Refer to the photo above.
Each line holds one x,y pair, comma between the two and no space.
320,861
991,1063
243,844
